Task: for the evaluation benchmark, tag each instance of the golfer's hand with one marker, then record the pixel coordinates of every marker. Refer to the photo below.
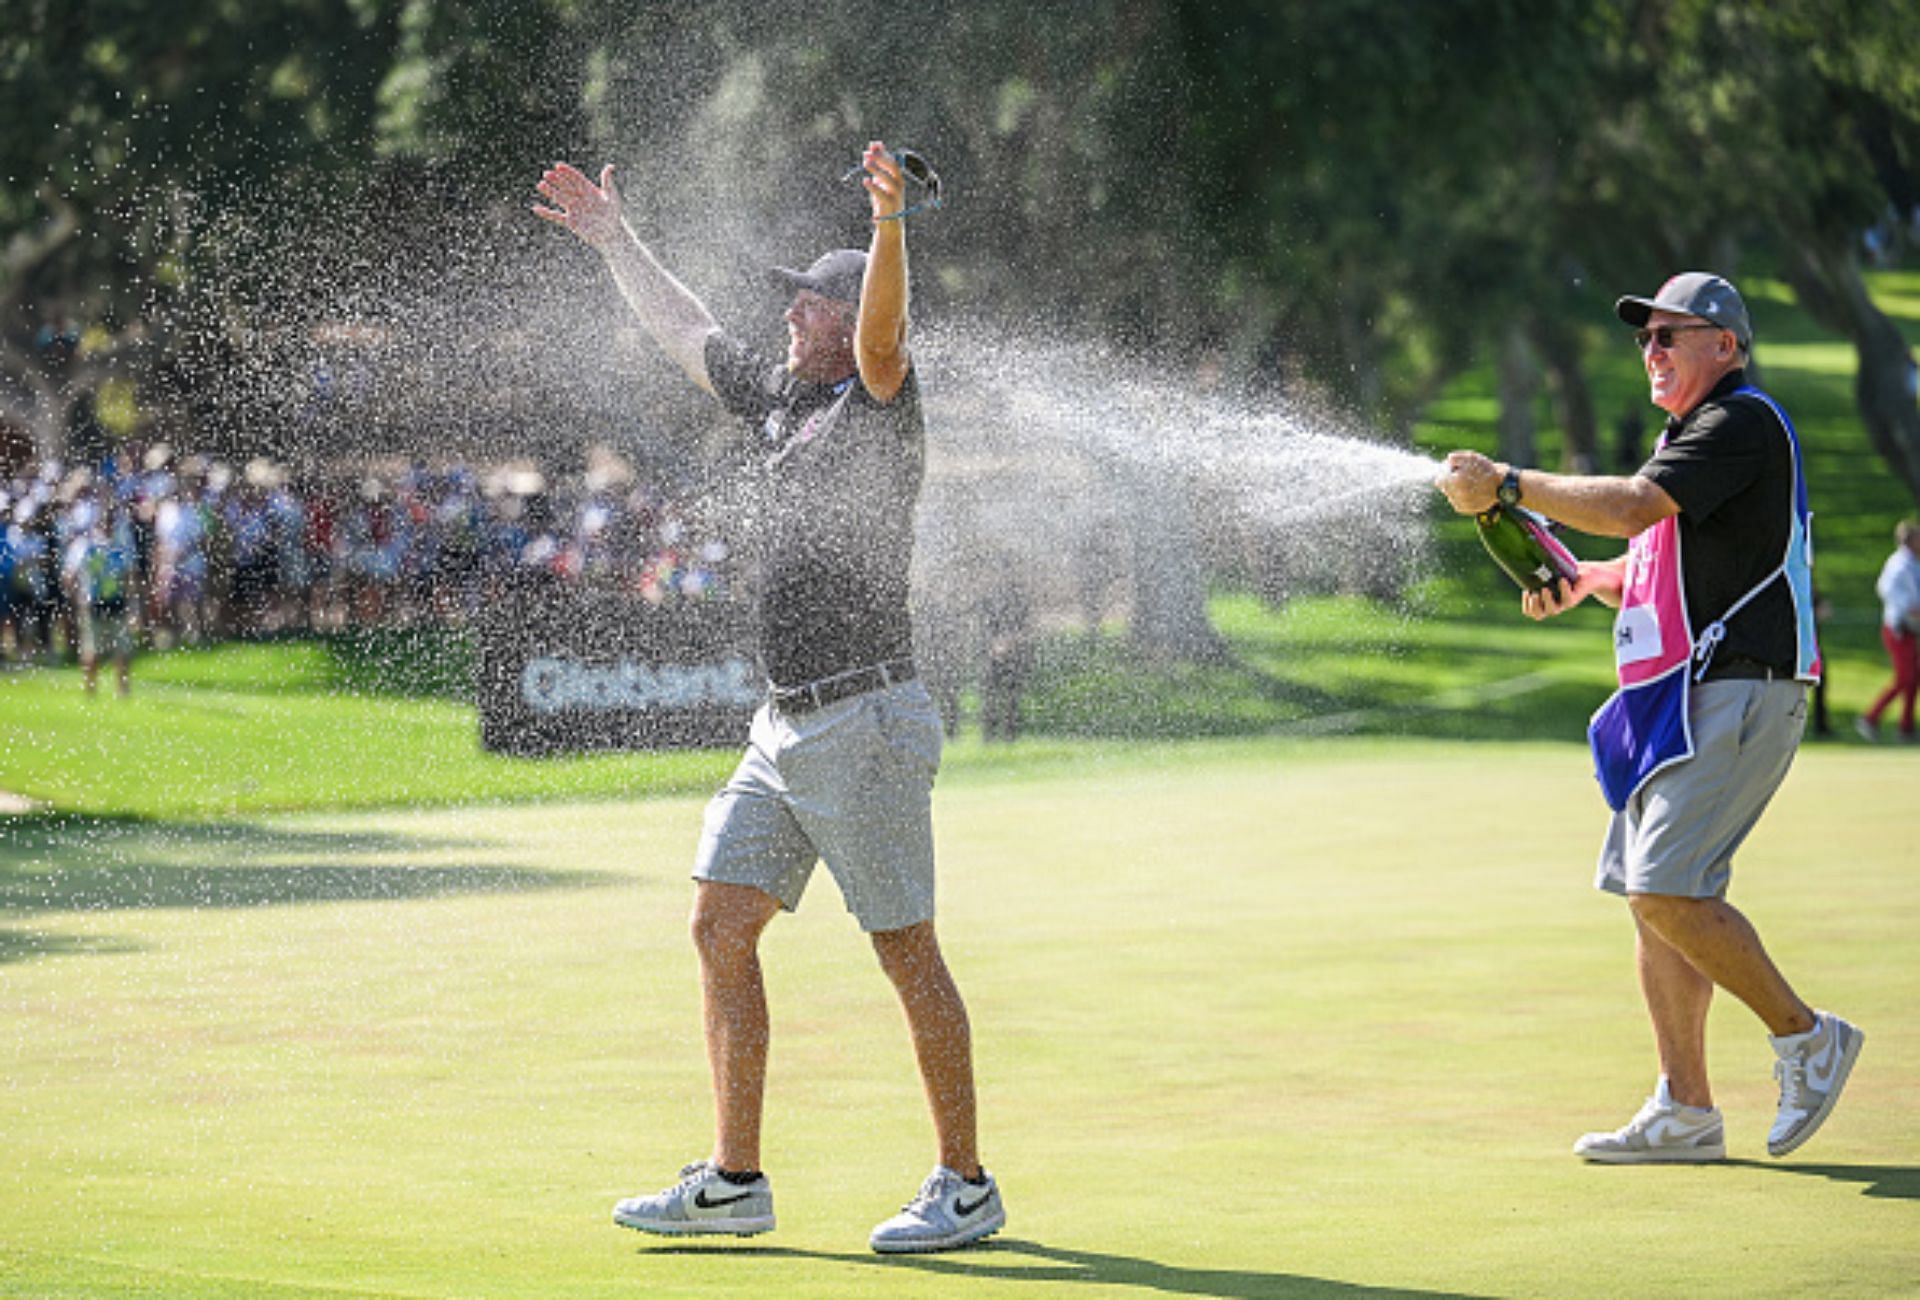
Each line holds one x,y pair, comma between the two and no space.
885,186
1470,482
590,211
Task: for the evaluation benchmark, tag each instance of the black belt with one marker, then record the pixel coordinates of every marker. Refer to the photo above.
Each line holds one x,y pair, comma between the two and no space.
1740,668
840,686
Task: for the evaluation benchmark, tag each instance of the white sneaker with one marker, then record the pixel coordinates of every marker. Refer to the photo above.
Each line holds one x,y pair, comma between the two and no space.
701,1202
948,1212
1812,1069
1663,1132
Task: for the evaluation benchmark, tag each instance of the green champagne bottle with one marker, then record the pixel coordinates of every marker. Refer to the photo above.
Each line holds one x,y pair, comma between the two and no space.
1523,544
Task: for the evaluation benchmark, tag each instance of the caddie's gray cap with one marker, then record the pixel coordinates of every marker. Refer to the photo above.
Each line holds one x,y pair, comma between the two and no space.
835,275
1694,293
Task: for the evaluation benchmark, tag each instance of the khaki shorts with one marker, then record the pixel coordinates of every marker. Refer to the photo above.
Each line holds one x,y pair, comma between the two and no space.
850,784
1678,834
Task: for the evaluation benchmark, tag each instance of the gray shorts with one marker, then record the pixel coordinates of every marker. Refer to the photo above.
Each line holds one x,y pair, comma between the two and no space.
1678,834
852,784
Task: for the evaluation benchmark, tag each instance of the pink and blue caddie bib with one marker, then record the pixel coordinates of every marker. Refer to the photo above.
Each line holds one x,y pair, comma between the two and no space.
1642,728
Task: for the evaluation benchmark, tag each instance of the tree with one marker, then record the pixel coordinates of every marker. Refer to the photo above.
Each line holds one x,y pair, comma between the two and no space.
154,126
1382,177
1789,130
1867,74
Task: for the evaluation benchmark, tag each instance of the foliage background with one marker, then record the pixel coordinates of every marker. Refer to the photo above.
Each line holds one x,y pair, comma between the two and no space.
1357,197
299,227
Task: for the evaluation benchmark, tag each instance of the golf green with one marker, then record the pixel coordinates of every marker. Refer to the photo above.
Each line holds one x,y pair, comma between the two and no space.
1251,1018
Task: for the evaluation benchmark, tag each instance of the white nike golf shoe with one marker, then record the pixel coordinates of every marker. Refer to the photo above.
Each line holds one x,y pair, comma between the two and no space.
701,1202
948,1212
1663,1132
1812,1069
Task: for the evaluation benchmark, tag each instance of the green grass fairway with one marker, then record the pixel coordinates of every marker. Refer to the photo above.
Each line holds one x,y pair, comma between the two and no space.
1254,1018
249,728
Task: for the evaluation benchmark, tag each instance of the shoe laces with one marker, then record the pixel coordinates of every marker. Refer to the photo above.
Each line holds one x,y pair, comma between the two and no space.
1649,1111
1791,1071
929,1194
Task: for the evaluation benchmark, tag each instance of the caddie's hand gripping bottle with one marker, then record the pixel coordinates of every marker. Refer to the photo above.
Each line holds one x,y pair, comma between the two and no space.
1523,544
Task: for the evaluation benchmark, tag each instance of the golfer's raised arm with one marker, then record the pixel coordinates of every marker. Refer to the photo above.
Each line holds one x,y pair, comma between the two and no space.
880,335
667,309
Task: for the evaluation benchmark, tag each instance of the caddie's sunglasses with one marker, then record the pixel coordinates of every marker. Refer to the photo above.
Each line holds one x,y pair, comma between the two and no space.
916,169
1663,334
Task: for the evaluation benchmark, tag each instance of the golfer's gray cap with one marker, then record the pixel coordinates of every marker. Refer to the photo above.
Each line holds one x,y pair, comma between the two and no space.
1694,293
835,275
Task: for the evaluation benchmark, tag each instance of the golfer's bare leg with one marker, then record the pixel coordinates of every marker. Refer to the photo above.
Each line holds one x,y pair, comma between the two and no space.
1677,998
1722,946
942,1038
727,923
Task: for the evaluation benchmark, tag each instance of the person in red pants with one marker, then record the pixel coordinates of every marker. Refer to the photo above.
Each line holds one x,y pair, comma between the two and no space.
1899,588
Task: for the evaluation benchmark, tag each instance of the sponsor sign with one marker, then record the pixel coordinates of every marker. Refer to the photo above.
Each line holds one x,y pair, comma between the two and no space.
564,671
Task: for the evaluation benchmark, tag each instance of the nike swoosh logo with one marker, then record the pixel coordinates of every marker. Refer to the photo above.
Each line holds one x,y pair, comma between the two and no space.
1666,1128
702,1201
1823,1079
962,1209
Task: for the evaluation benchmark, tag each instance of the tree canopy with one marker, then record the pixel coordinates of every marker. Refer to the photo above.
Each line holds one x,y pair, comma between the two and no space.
1356,197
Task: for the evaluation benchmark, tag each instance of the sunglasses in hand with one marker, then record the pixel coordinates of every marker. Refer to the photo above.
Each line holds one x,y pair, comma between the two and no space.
915,168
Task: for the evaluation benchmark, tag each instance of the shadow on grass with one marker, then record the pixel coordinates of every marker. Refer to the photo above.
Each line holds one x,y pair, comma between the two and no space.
1054,1266
1126,699
1545,709
33,834
54,864
1890,1182
136,886
30,945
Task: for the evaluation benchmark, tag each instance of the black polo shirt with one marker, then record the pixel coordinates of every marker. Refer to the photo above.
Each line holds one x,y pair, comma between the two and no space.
1728,465
834,520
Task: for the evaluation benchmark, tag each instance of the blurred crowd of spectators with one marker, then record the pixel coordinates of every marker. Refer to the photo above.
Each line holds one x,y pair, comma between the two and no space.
190,549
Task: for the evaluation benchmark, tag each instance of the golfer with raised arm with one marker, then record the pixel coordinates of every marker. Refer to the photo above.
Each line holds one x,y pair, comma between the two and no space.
842,757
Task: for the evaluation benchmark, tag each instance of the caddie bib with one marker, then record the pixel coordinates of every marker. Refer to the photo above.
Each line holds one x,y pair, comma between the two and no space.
1642,728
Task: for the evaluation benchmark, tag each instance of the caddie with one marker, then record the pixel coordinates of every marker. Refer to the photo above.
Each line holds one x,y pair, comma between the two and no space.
1715,649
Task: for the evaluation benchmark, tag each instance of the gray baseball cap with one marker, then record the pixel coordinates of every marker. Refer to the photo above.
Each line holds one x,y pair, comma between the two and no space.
1693,293
835,275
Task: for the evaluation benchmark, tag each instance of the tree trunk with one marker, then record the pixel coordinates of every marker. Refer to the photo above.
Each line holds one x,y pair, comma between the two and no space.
1359,349
1579,452
1169,579
31,395
1887,383
35,400
1519,383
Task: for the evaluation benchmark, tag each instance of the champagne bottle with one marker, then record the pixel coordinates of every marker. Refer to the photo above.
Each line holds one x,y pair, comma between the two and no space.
1523,544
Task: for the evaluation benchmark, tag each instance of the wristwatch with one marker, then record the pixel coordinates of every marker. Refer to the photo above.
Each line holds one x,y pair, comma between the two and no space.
1509,493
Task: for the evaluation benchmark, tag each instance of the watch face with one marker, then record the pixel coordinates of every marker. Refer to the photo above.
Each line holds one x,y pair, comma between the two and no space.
1509,493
